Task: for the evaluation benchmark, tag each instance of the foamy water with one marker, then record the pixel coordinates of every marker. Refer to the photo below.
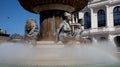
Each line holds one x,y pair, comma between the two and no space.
18,53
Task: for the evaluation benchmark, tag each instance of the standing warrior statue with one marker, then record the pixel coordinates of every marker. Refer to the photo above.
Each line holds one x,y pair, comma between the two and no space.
31,31
64,29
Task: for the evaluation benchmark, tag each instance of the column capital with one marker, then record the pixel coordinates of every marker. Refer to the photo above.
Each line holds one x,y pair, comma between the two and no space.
91,8
106,6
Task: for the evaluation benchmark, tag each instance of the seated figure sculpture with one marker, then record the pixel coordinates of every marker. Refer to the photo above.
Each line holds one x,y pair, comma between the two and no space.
64,30
65,34
31,31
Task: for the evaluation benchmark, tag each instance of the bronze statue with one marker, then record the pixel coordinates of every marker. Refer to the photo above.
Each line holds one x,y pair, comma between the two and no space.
64,29
65,34
31,30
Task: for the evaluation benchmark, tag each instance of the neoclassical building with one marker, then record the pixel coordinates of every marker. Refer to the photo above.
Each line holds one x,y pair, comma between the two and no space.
101,20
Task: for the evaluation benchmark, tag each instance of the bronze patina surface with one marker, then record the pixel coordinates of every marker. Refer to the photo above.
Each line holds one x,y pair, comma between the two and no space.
37,6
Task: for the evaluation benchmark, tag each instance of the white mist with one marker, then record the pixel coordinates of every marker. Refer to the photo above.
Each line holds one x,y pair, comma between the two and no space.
18,53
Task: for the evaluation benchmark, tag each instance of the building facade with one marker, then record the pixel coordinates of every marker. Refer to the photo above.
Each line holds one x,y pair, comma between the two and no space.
102,20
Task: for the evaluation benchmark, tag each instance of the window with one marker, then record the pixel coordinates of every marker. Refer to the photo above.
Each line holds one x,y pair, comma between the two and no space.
87,20
101,18
116,12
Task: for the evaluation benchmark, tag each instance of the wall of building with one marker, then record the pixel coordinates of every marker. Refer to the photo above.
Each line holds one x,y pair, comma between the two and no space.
109,30
4,39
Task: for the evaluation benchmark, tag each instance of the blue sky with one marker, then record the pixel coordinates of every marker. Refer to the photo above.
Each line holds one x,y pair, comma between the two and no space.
13,17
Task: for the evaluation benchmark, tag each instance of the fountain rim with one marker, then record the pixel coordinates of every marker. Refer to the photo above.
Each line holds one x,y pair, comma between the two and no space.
37,6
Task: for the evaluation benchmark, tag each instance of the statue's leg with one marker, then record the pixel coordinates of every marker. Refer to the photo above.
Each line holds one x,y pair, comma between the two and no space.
33,42
67,40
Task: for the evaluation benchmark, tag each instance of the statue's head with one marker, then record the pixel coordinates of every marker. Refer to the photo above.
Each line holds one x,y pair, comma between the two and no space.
67,16
31,29
28,26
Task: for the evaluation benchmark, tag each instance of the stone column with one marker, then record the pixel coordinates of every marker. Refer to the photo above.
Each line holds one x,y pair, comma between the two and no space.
109,12
94,23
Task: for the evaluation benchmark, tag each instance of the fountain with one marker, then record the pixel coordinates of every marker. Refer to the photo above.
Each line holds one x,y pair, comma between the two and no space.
95,54
30,54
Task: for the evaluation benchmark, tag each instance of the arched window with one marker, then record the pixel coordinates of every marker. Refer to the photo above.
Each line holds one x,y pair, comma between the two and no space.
116,12
87,20
101,18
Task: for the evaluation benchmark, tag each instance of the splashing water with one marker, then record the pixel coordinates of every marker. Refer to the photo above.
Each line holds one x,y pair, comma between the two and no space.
18,53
